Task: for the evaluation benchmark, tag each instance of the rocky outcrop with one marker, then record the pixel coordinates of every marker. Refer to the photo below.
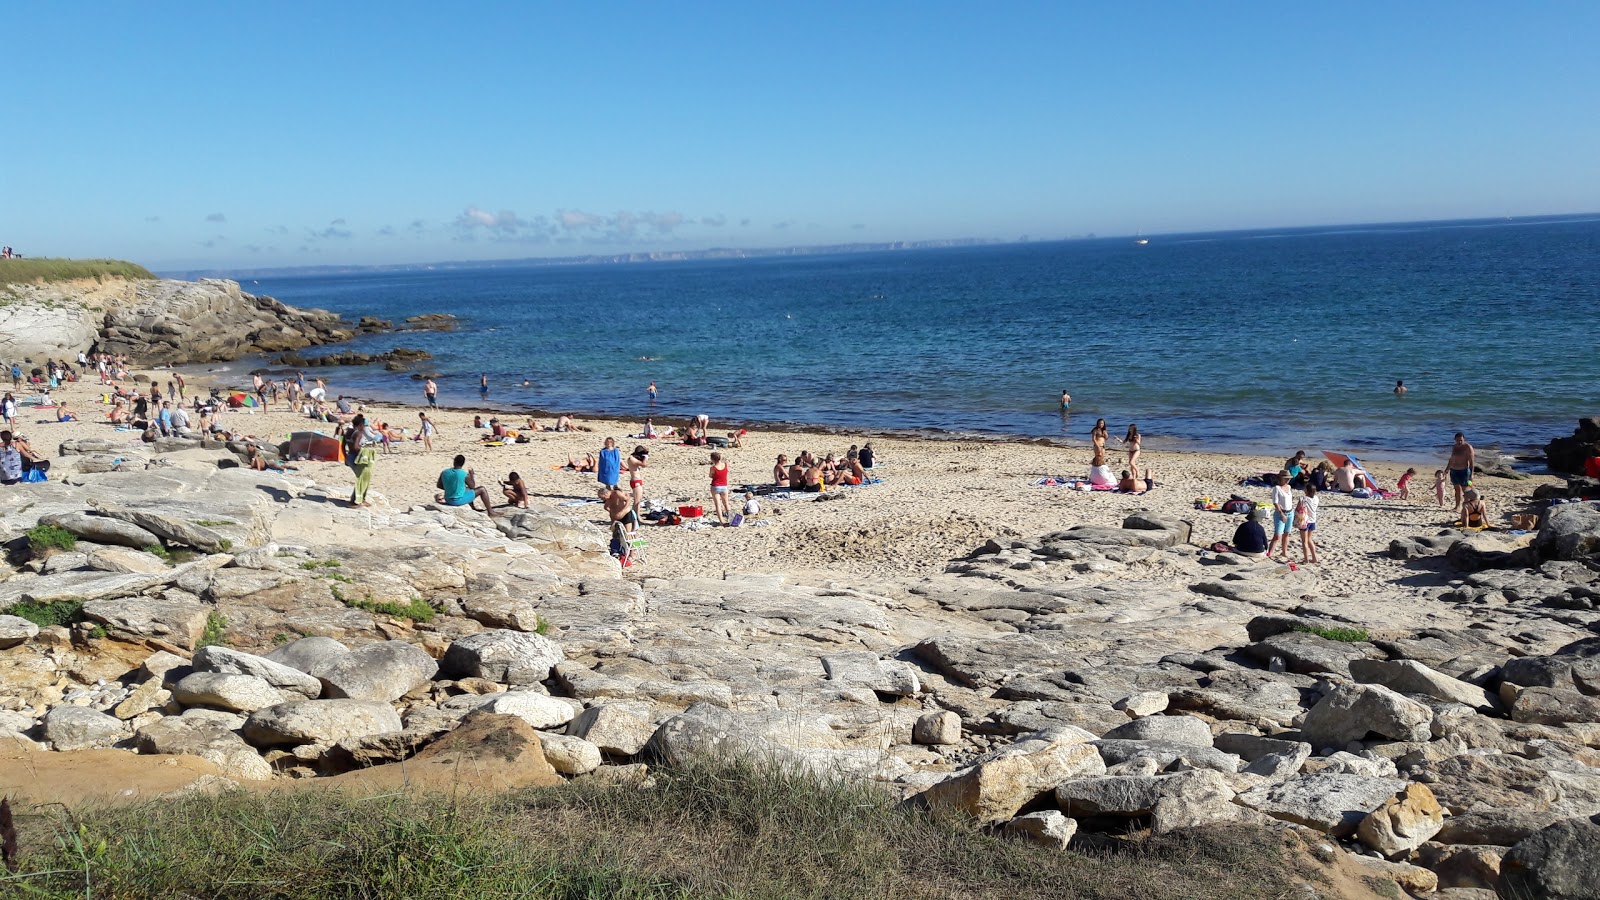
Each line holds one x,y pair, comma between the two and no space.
156,321
1568,454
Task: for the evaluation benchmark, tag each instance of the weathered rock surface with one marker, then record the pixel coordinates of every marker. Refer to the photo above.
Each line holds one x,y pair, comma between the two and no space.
207,740
76,728
509,657
1561,862
319,721
16,630
385,671
1404,823
216,658
236,693
1351,712
999,784
1335,804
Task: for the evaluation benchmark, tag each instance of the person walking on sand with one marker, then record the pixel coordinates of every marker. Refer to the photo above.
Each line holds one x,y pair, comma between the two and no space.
1282,516
719,487
483,386
430,392
1462,459
636,464
1438,486
425,431
361,455
1404,485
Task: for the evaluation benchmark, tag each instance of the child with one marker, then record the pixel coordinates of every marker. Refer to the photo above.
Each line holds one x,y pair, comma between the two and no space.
1405,484
1438,486
1306,516
515,490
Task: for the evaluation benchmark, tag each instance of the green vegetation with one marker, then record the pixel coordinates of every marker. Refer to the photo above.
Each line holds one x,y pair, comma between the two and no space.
315,564
216,624
541,624
1343,635
417,609
56,612
27,271
212,523
44,538
97,633
730,832
159,551
281,638
225,544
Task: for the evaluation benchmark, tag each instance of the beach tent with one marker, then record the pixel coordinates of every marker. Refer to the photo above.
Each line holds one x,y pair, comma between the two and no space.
1341,459
313,445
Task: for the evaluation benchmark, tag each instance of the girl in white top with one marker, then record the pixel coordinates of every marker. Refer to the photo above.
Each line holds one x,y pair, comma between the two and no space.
1282,515
1307,510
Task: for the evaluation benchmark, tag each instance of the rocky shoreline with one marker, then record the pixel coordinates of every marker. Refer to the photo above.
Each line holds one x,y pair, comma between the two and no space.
158,322
1052,686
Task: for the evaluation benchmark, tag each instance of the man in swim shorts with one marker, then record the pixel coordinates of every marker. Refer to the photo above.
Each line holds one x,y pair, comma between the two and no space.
1462,459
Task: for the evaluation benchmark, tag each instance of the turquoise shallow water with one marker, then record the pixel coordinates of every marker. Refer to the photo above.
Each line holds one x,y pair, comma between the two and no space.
1253,340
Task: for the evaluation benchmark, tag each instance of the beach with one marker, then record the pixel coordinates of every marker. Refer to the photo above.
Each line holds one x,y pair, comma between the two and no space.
935,500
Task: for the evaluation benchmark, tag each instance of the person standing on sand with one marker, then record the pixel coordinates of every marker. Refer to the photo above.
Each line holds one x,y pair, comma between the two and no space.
636,464
1098,435
1282,515
1131,439
483,386
425,431
1462,459
1305,514
360,455
609,469
430,392
719,487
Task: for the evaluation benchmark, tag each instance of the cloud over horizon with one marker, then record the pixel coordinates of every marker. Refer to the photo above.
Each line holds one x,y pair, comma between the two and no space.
216,217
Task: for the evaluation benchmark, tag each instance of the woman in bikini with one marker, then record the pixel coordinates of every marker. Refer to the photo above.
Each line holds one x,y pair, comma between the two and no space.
1474,514
1131,440
635,465
719,487
1098,435
780,471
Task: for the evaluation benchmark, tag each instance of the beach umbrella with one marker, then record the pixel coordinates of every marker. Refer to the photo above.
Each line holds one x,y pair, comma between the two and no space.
251,401
1344,459
236,400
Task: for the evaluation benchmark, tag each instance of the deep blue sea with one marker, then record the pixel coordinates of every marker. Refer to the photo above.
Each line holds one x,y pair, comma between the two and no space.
1269,341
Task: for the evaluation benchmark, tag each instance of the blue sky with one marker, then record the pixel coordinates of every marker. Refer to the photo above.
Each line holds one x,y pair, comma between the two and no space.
188,135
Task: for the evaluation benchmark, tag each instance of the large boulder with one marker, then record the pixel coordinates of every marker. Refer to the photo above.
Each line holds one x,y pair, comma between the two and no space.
541,711
1176,729
1178,800
487,752
1000,783
1352,711
1334,804
16,630
216,658
319,721
207,740
102,530
309,654
619,729
171,529
79,728
385,671
176,621
508,657
1411,677
219,690
1561,862
1569,531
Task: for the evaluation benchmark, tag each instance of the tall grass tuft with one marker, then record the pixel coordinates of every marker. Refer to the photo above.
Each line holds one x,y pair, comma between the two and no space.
709,831
27,271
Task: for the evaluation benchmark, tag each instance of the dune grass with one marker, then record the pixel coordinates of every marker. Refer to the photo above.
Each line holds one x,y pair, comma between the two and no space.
27,271
732,832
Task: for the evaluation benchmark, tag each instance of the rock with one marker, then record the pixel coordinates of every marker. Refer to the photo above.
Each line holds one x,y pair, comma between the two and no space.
1334,804
999,784
1501,827
1174,729
940,728
1267,757
1194,797
1472,782
540,711
207,740
487,753
1409,677
1309,654
170,529
77,727
125,561
1147,703
309,654
1047,828
1342,763
509,657
1569,531
1168,755
1463,865
16,630
862,669
1562,669
179,622
216,658
1413,879
15,722
161,662
318,721
103,530
237,693
1404,823
1552,706
613,727
385,671
1561,862
569,755
145,696
1351,712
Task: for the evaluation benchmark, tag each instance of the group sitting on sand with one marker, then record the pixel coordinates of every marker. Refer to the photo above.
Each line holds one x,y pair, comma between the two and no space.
812,475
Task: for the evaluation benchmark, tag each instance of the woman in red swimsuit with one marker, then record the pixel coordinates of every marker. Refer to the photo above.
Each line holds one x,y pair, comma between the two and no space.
635,464
719,487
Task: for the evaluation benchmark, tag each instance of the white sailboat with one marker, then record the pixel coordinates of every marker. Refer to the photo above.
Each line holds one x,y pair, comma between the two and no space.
1139,238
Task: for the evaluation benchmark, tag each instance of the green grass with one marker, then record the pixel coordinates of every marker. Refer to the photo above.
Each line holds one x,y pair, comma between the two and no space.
725,832
1343,635
216,625
44,538
416,609
56,612
315,564
27,271
211,523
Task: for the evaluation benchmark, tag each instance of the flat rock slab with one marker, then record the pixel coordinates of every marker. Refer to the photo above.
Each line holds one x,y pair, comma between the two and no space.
1333,804
180,622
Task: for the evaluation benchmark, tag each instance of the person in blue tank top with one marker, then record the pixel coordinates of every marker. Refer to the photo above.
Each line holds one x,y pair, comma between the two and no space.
609,470
458,486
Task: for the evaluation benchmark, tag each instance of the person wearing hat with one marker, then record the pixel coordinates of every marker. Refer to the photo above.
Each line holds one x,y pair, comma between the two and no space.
1250,538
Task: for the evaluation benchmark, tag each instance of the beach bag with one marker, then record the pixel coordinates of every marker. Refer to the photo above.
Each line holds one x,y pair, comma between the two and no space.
1302,515
1238,506
34,476
367,456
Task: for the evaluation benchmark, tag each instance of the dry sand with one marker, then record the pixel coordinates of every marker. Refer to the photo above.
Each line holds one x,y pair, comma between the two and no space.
938,500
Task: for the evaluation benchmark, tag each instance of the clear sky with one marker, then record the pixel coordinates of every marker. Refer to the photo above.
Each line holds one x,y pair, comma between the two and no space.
186,135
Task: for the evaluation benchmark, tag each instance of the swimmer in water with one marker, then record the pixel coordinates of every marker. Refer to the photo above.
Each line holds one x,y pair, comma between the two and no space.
1066,401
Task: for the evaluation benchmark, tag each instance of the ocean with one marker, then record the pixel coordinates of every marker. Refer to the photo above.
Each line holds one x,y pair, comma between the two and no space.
1267,341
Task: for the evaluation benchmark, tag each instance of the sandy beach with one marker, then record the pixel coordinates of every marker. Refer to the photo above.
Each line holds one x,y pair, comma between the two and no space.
938,499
